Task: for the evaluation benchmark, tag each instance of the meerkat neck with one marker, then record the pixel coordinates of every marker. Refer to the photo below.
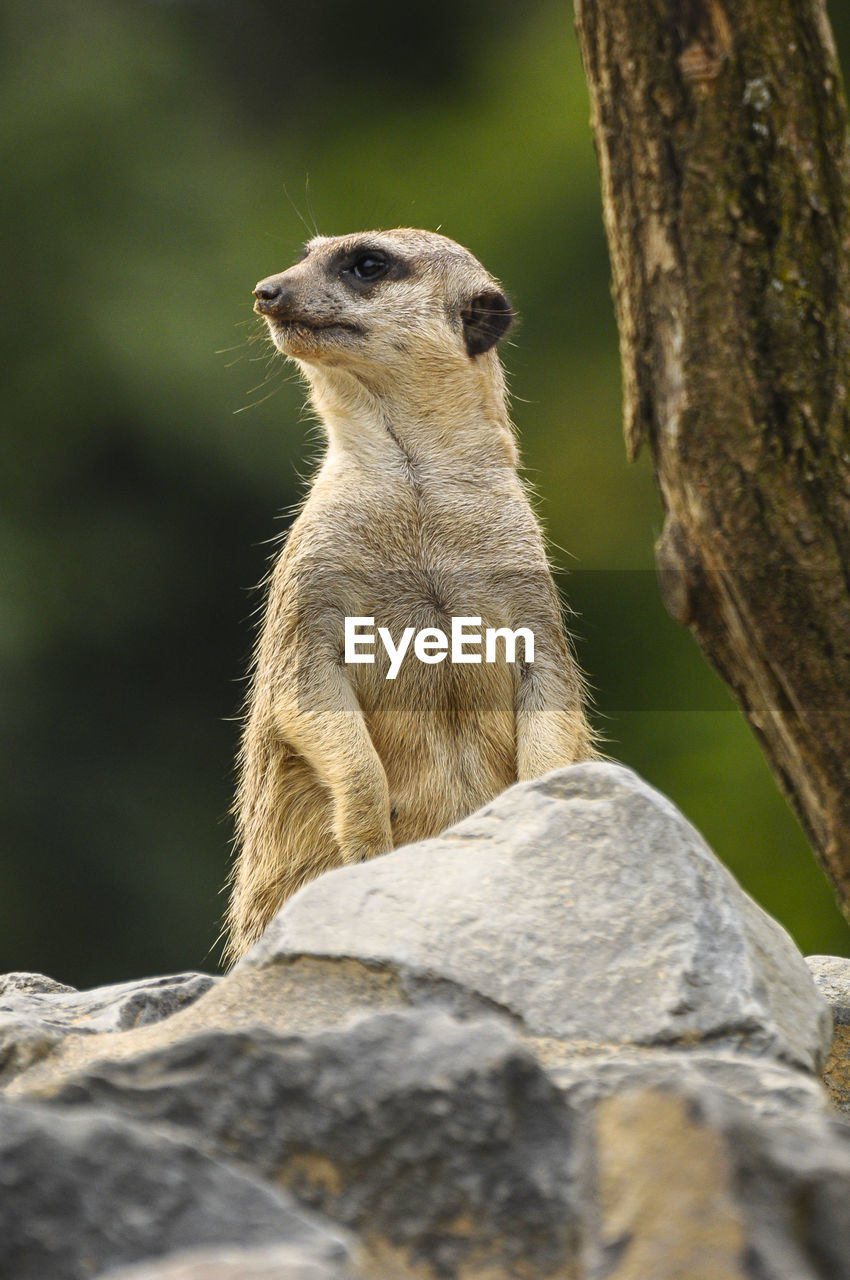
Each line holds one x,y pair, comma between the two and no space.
465,423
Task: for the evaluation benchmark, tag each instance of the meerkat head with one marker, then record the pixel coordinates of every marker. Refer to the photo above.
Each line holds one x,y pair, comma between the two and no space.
380,304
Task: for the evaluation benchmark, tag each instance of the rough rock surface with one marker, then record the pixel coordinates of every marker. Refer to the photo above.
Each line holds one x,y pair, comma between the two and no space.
82,1190
37,1013
832,978
558,1041
408,1126
562,903
279,1262
115,1008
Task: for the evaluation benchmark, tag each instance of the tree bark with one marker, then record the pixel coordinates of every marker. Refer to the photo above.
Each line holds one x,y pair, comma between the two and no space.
721,131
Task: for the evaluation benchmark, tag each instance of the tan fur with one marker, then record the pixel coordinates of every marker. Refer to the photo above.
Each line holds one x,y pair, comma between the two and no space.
417,514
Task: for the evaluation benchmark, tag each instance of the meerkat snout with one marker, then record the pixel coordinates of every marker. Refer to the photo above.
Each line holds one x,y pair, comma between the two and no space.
272,297
266,291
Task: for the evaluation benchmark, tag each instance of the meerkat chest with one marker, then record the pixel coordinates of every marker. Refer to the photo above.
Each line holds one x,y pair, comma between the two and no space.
420,557
412,590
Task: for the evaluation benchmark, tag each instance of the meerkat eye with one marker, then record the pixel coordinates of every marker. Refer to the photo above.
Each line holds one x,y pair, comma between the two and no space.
369,266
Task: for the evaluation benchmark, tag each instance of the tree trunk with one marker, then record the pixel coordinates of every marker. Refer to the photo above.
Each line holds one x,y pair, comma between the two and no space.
721,131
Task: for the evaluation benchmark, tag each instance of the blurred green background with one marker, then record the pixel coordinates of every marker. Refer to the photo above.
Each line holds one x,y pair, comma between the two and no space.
149,445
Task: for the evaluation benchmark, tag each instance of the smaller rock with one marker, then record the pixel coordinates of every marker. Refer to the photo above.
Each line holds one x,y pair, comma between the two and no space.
30,984
118,1007
832,978
37,1013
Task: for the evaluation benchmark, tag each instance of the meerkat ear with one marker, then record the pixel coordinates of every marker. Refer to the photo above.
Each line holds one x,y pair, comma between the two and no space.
486,318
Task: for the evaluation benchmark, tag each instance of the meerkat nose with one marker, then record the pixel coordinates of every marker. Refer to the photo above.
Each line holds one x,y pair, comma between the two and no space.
272,296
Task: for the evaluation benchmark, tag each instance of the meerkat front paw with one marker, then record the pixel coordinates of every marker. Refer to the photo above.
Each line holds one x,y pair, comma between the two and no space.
363,830
366,847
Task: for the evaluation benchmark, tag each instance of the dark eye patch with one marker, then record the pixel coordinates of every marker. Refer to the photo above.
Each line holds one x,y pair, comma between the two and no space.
363,267
369,266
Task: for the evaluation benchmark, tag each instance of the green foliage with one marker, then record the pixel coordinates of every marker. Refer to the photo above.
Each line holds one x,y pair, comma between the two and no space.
150,442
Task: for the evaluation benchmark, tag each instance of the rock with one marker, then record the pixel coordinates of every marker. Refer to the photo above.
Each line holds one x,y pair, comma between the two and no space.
453,1153
558,1041
114,1008
18,985
440,1141
81,1191
582,905
276,1262
769,1090
832,978
37,1013
699,1187
666,1206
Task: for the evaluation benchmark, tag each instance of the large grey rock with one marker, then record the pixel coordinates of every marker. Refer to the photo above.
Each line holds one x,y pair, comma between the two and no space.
36,1013
584,906
441,1141
274,1262
81,1191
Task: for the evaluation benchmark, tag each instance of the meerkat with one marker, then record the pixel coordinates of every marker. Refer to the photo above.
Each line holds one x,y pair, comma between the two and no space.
417,516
